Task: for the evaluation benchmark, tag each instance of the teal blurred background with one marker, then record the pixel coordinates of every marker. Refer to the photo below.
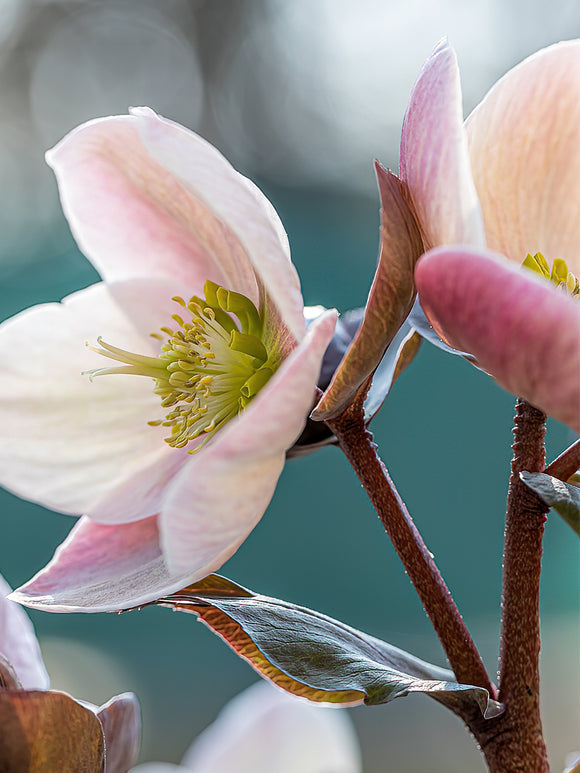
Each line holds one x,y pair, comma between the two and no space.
301,97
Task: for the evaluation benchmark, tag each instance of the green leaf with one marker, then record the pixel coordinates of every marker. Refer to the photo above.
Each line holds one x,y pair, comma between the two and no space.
316,657
563,497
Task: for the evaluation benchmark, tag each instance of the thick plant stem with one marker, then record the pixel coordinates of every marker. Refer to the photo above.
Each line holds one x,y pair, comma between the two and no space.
519,673
357,444
513,742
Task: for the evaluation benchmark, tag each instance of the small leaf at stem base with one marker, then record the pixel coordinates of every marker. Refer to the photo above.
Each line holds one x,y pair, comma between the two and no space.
563,497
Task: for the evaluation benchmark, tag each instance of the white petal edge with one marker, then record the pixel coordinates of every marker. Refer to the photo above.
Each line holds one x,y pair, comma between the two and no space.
120,718
101,568
18,643
131,217
221,494
434,157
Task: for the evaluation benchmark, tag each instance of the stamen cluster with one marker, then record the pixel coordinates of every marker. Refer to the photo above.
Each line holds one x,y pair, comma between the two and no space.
559,274
210,367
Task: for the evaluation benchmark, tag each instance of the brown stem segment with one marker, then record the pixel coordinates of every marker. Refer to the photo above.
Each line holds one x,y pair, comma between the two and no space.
357,444
513,741
523,747
565,465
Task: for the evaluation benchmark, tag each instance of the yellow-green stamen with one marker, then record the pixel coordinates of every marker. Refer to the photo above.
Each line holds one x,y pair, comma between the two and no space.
559,274
210,367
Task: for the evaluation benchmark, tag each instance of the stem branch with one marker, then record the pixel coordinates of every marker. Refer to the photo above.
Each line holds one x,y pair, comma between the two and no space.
357,444
566,464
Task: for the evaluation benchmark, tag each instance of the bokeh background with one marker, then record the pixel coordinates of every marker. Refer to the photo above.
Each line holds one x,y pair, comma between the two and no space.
301,96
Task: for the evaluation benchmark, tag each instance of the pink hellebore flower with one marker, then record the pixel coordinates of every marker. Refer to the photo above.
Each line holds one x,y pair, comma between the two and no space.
201,301
502,185
266,730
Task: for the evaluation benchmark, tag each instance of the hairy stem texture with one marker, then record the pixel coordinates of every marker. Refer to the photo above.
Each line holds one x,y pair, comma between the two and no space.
513,742
519,668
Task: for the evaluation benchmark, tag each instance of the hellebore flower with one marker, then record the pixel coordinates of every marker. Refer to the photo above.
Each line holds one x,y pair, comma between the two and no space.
45,729
264,729
201,319
504,182
523,144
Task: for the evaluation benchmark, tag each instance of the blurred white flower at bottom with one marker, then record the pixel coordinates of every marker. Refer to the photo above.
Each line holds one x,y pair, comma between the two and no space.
572,763
265,730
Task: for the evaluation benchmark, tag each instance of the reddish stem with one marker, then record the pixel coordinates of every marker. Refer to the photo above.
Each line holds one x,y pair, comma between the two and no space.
566,464
514,742
357,444
519,673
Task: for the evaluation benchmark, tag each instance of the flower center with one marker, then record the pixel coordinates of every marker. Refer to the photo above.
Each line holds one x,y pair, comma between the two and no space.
210,366
559,274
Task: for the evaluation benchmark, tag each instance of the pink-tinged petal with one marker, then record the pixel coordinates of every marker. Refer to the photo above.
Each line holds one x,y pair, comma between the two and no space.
18,643
141,494
434,160
67,441
390,298
522,330
121,721
221,494
102,568
524,144
264,730
209,178
131,217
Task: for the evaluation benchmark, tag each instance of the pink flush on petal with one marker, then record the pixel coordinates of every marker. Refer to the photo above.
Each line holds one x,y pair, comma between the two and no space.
523,330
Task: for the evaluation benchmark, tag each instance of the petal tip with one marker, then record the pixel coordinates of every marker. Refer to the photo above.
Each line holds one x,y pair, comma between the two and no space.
142,111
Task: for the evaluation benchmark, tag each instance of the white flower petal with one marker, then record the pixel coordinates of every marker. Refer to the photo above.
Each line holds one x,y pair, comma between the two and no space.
102,568
18,643
264,729
67,441
217,499
524,144
131,217
236,201
121,721
434,159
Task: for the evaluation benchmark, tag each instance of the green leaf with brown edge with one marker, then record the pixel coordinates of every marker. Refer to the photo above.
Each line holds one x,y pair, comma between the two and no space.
316,657
390,298
45,732
563,497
